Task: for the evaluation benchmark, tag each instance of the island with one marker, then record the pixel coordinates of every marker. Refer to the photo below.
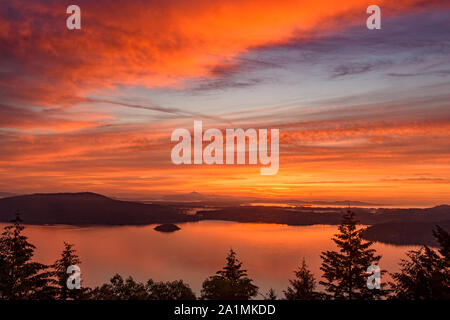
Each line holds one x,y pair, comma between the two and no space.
167,227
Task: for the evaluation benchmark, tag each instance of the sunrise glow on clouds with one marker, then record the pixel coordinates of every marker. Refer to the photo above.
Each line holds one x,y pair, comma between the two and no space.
363,114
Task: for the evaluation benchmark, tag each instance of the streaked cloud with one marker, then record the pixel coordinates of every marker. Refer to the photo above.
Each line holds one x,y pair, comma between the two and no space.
360,112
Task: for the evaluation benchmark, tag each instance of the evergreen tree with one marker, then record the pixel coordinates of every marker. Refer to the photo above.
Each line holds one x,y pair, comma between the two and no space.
271,295
68,258
426,274
344,271
20,277
303,286
120,289
443,238
129,289
230,283
170,290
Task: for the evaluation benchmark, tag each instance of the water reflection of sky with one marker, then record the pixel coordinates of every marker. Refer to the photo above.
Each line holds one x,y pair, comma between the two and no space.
270,252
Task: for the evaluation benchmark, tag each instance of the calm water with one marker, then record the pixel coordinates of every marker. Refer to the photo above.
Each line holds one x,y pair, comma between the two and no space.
270,252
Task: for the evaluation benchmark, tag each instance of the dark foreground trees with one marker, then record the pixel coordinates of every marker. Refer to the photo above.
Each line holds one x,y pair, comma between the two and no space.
129,289
303,286
425,275
20,277
68,258
230,283
344,271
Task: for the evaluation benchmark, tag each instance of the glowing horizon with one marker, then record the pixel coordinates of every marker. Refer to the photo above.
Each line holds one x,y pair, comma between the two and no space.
363,114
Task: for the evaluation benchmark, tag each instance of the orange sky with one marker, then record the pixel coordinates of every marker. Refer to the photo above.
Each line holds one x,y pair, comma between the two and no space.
362,116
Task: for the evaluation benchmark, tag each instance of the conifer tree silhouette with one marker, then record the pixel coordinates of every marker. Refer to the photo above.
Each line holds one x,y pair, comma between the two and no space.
344,270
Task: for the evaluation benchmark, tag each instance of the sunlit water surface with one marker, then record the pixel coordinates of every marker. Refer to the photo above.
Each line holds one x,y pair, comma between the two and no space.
270,252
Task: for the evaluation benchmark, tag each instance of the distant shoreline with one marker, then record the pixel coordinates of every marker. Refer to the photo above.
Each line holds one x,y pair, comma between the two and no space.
401,226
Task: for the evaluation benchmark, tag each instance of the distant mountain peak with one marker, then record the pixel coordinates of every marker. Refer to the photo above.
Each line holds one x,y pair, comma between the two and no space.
81,208
85,194
191,196
442,206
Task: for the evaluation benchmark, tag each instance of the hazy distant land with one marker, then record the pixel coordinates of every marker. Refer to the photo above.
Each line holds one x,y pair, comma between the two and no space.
396,226
86,209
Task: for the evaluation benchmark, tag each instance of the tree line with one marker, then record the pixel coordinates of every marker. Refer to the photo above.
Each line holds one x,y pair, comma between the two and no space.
424,274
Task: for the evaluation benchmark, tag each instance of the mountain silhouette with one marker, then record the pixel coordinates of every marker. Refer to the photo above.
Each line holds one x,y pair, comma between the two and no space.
396,226
85,208
405,233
